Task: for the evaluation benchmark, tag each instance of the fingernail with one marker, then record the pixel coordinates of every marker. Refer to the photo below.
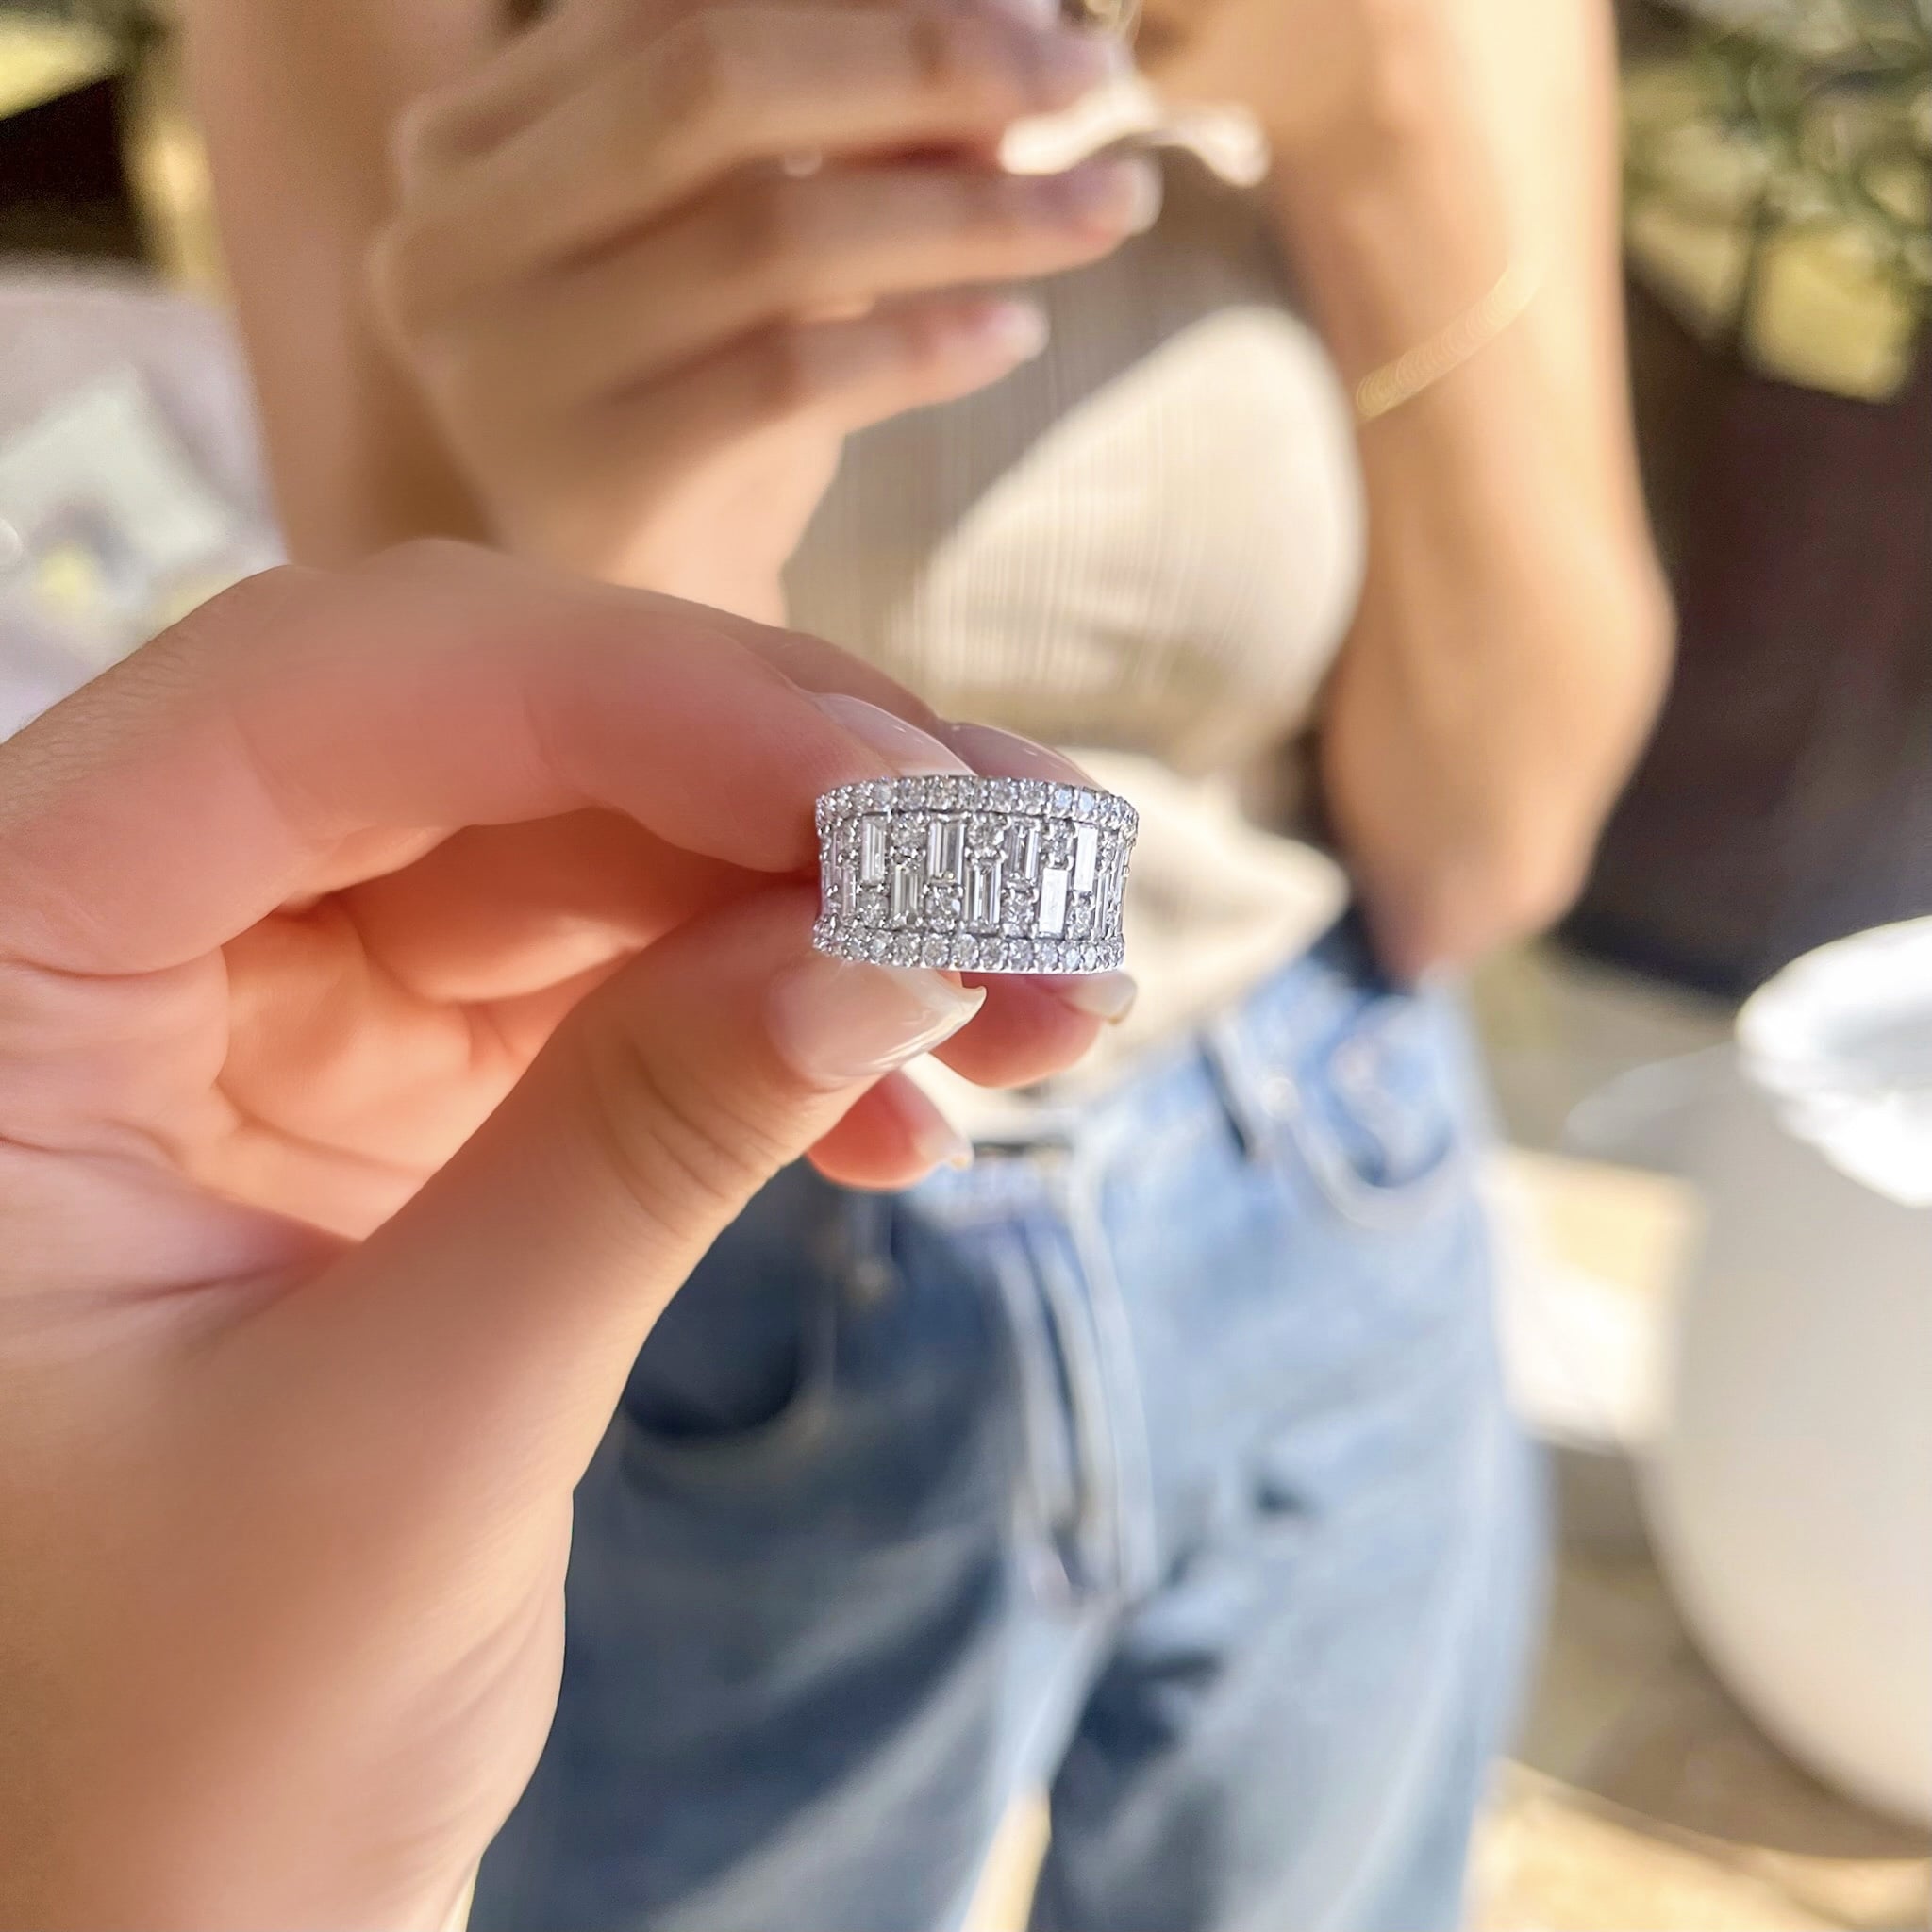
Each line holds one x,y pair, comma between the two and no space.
996,754
1017,329
1120,196
1071,65
837,1022
909,750
939,1143
1033,13
1143,196
1107,997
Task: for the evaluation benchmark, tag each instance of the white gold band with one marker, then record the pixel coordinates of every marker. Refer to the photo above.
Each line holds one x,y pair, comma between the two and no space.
974,874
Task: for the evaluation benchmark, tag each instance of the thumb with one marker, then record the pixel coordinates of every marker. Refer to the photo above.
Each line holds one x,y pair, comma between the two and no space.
504,1304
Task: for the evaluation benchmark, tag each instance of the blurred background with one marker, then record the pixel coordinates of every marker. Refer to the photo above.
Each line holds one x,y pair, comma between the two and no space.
1719,1242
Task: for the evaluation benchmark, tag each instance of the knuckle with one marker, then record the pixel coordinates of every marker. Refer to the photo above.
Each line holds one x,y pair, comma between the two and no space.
701,71
416,287
420,138
681,1154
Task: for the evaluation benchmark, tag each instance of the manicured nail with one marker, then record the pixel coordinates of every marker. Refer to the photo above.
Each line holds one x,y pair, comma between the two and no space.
837,1022
1069,64
939,1142
1121,196
1033,13
1107,997
909,750
1016,329
996,754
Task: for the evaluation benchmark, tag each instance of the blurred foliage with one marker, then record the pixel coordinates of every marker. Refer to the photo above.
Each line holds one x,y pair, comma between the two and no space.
1779,183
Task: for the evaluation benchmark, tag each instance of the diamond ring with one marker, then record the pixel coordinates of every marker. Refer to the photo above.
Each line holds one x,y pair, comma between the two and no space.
974,874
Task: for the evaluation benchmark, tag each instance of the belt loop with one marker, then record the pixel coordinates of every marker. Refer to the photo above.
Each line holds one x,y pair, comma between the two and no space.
1253,1109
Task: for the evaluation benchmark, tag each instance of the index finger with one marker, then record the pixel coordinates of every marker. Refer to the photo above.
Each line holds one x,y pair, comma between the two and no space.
167,806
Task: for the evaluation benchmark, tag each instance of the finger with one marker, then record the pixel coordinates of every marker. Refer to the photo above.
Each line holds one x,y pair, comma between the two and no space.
722,88
1030,1026
501,918
838,376
772,248
496,1316
533,74
168,805
1034,1029
892,1137
497,911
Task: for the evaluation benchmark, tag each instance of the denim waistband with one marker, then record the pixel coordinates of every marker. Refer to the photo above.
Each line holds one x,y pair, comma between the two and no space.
1256,1031
1038,1201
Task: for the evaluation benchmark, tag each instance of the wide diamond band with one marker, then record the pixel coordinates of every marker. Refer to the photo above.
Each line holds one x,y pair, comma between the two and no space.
974,874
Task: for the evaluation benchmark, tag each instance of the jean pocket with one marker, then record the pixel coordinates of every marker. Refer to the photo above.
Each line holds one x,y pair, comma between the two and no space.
1375,1108
742,1370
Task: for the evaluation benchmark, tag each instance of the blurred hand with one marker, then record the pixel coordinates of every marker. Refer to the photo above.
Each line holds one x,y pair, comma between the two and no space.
402,977
655,261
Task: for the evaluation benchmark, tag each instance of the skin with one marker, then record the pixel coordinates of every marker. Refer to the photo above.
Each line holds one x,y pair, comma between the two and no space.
400,986
389,1012
1513,634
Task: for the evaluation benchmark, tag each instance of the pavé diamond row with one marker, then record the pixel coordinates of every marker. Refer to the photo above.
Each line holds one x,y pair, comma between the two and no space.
974,874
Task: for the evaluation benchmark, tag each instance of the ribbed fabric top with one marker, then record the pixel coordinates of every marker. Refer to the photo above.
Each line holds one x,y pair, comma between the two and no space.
1144,547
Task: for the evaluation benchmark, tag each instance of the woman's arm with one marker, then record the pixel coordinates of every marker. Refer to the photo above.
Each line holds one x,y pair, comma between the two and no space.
1513,635
1514,632
298,102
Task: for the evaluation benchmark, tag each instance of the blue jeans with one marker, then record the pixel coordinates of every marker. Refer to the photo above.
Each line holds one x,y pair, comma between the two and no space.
1160,1463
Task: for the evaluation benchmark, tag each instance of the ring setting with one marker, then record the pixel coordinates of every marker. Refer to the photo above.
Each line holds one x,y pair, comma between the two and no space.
974,874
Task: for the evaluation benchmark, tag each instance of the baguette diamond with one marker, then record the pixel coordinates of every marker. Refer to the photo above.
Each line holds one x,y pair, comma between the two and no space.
974,874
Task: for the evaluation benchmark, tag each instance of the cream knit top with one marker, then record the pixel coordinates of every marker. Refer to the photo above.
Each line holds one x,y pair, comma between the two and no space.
1144,547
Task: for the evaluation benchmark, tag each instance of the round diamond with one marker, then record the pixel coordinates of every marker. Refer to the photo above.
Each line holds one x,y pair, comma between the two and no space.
1003,794
942,907
1016,955
934,951
876,945
902,949
1062,798
906,838
984,832
871,906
